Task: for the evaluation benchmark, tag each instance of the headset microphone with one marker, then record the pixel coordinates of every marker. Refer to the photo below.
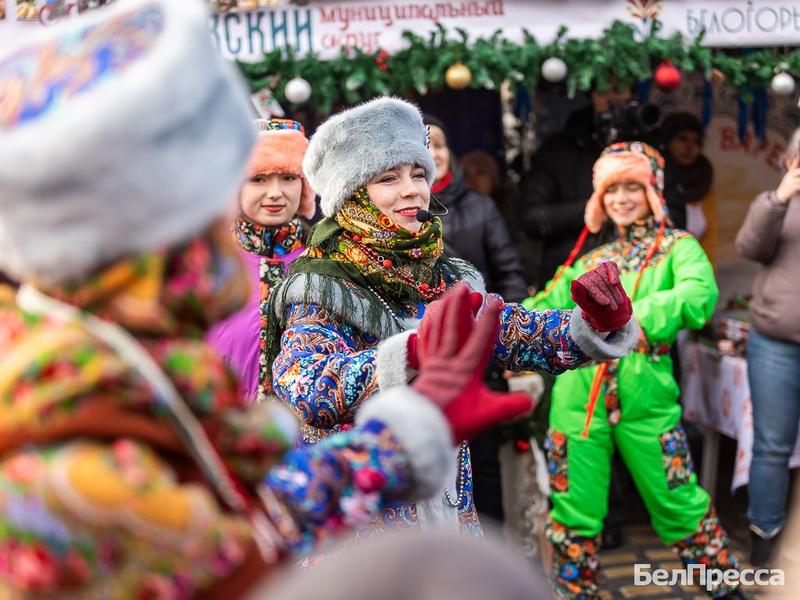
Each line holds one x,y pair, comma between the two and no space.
424,215
428,215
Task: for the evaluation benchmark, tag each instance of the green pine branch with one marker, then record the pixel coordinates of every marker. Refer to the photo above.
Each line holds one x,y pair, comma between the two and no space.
420,67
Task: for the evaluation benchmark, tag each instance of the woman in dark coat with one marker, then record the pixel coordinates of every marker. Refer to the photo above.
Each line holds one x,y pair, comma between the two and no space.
473,228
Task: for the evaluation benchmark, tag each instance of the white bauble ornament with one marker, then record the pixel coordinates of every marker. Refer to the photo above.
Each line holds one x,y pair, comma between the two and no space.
782,84
554,69
298,90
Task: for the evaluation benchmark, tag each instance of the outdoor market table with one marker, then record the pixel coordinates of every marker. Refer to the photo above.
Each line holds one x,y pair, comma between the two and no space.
716,396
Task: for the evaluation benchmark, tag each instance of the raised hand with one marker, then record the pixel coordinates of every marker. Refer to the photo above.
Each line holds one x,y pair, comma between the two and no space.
603,301
454,350
790,184
431,319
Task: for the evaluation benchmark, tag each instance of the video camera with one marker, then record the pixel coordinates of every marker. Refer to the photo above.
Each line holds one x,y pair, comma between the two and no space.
630,121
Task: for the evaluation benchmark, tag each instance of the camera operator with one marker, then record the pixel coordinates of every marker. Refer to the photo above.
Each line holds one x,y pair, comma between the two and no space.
553,195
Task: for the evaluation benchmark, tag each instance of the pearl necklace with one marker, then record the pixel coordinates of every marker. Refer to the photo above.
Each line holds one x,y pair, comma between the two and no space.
461,482
386,306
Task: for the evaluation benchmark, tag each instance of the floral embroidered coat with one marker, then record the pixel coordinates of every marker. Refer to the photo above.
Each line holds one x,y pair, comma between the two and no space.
330,365
100,498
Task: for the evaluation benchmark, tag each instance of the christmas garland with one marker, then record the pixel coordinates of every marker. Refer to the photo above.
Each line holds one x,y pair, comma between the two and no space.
422,66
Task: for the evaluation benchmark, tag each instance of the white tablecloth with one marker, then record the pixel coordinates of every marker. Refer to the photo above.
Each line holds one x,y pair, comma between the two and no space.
716,395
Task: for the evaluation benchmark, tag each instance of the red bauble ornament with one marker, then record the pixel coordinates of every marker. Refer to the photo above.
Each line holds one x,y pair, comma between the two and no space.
667,77
380,59
387,264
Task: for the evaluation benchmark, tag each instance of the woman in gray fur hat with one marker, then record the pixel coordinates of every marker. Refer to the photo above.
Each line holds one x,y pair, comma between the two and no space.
346,317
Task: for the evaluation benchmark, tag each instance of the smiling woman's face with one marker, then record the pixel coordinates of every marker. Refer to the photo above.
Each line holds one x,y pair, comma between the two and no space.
400,193
271,200
626,202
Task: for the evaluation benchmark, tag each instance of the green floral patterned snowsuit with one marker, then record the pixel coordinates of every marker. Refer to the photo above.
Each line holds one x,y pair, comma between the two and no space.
637,413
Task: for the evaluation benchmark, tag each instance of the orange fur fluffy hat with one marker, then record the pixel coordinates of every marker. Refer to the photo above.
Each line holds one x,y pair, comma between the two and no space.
280,148
627,161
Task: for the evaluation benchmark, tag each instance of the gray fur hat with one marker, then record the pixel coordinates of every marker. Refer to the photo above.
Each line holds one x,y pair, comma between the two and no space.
353,146
138,140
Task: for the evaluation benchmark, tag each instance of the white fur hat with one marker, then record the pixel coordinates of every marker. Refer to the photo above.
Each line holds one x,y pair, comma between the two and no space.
353,146
120,132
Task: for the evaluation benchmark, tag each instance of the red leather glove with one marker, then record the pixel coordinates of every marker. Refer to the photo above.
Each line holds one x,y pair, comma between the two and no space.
605,305
432,315
454,350
475,302
412,354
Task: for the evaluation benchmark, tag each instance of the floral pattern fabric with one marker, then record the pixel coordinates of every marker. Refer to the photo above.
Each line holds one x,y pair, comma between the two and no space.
536,340
99,496
360,217
274,246
75,64
365,246
327,368
613,410
342,483
575,566
709,546
629,250
677,461
555,445
110,520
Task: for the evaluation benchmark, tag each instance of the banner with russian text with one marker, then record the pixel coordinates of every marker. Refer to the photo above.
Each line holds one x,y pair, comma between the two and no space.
328,26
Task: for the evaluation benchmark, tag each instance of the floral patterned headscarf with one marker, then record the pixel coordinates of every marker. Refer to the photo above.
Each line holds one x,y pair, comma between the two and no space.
179,291
359,243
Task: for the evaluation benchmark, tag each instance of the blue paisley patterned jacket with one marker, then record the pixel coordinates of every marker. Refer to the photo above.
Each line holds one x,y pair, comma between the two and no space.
330,364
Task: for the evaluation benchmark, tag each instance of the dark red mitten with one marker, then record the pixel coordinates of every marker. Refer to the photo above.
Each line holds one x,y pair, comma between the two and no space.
441,321
458,329
603,301
475,302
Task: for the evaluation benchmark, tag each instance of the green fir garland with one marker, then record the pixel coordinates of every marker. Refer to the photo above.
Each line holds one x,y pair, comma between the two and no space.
355,75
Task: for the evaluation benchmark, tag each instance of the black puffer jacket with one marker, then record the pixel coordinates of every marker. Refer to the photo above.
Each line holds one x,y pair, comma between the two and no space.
475,231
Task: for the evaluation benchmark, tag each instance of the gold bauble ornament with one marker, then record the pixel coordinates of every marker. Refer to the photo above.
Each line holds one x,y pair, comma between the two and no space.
458,76
717,77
